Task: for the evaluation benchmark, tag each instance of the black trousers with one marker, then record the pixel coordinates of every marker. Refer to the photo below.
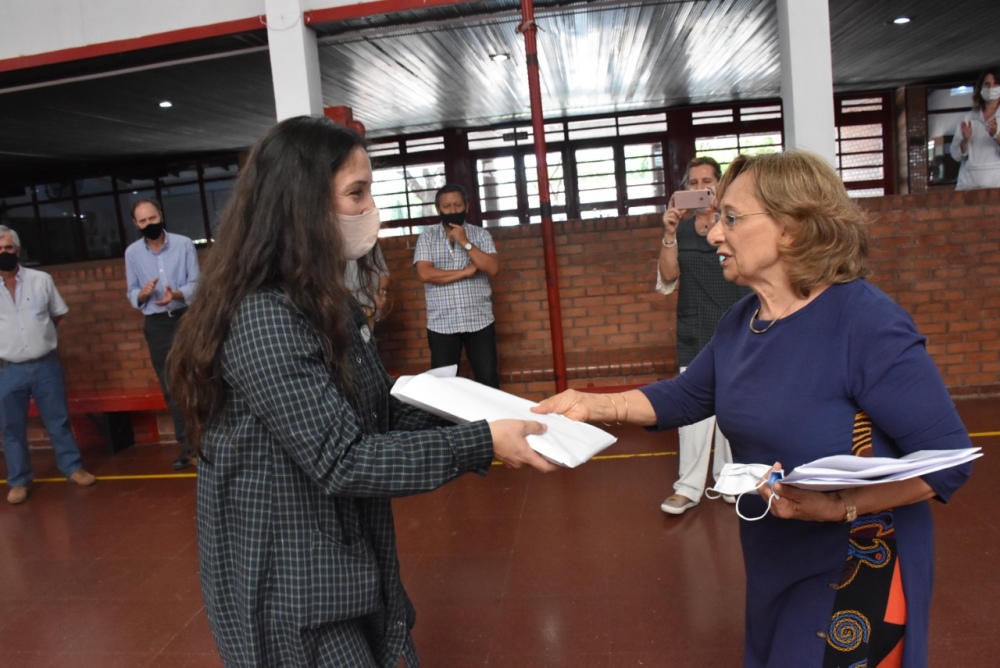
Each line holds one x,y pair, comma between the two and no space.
159,330
480,349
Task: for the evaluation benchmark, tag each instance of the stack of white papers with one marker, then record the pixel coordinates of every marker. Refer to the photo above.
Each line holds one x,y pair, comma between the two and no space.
842,471
461,400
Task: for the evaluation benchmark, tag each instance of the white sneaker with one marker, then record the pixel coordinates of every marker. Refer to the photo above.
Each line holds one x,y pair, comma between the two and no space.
676,504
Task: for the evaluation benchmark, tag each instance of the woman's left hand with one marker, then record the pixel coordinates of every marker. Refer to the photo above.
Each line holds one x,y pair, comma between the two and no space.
802,504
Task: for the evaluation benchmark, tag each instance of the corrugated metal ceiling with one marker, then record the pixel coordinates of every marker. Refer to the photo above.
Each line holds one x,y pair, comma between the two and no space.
430,68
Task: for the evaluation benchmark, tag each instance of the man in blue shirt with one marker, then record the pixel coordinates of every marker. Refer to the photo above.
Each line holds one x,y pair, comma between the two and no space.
455,261
162,272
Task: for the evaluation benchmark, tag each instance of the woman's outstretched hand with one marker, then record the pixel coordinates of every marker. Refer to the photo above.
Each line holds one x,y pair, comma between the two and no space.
574,405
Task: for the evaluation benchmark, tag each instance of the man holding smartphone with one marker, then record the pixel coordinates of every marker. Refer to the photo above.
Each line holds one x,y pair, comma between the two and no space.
689,264
455,261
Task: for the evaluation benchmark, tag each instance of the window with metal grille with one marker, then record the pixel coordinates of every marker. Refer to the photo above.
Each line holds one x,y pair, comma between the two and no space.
862,156
645,178
597,185
406,192
498,190
557,187
724,148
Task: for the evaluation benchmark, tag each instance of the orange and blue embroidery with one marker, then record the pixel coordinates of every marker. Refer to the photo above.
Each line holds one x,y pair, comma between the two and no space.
866,631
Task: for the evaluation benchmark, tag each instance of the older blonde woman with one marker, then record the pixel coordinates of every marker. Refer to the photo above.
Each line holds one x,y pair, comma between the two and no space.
816,362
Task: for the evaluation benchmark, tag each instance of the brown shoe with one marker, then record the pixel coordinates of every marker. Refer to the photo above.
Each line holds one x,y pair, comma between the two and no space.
17,495
82,478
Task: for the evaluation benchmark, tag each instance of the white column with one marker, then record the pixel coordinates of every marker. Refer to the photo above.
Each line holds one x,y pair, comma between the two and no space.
294,61
807,76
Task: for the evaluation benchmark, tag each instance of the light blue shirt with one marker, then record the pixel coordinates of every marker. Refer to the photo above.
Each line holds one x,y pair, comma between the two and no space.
465,305
175,265
27,331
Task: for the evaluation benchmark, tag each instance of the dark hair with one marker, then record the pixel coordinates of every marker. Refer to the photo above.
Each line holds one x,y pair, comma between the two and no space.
450,188
275,231
828,229
977,96
698,162
156,205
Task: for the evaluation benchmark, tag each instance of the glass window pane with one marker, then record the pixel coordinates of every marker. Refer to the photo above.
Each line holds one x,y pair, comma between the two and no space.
55,233
587,155
861,145
760,142
54,191
14,196
861,160
867,192
128,183
859,131
180,174
217,196
95,186
644,174
100,227
598,195
497,183
402,193
557,183
220,170
536,219
862,174
21,219
182,212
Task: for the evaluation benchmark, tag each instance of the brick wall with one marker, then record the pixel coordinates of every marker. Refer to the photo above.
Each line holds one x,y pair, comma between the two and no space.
616,329
935,253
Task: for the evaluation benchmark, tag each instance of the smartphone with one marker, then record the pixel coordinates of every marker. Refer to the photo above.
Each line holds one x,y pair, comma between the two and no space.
693,199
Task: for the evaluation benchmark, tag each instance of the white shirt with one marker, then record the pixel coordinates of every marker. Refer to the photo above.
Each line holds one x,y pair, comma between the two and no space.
981,160
26,328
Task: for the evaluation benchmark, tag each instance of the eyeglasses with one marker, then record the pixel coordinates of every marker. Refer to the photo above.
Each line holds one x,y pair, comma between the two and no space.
729,219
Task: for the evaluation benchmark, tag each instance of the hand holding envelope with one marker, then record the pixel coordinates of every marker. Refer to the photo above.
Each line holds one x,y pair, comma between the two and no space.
461,400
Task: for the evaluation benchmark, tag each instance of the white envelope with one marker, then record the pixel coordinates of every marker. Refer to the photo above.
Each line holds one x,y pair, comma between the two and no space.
439,391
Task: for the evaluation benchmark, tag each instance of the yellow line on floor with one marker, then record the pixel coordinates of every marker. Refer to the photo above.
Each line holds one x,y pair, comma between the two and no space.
634,455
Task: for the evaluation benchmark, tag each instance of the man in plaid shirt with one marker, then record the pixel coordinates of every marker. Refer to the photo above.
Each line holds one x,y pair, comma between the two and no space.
455,261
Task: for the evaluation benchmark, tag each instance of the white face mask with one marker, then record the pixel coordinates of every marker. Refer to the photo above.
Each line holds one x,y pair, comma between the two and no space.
360,233
739,479
990,94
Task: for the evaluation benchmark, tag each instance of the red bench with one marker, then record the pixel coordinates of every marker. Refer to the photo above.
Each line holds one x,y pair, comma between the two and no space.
110,411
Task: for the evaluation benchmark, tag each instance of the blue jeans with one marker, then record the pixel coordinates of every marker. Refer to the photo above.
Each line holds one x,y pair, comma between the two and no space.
43,380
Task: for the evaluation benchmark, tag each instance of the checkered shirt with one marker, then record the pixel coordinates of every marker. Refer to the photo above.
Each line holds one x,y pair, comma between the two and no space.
465,305
295,532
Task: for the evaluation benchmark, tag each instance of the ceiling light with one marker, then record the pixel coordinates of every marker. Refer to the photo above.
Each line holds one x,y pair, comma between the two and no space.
166,104
901,20
498,57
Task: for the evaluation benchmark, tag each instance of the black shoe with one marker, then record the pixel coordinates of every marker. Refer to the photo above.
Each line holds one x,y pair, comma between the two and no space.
182,462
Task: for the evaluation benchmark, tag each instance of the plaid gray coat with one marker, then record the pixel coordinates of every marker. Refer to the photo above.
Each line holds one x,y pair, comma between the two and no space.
295,533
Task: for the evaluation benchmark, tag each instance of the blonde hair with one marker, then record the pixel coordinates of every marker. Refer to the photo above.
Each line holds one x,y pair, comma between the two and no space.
829,231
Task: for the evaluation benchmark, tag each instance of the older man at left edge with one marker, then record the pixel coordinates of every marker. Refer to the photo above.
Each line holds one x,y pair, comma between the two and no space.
30,309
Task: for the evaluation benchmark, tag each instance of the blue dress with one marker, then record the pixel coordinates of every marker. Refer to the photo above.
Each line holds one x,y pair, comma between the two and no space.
792,394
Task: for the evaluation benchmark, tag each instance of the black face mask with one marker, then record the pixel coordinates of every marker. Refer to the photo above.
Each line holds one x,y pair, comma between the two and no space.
8,261
452,219
152,231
